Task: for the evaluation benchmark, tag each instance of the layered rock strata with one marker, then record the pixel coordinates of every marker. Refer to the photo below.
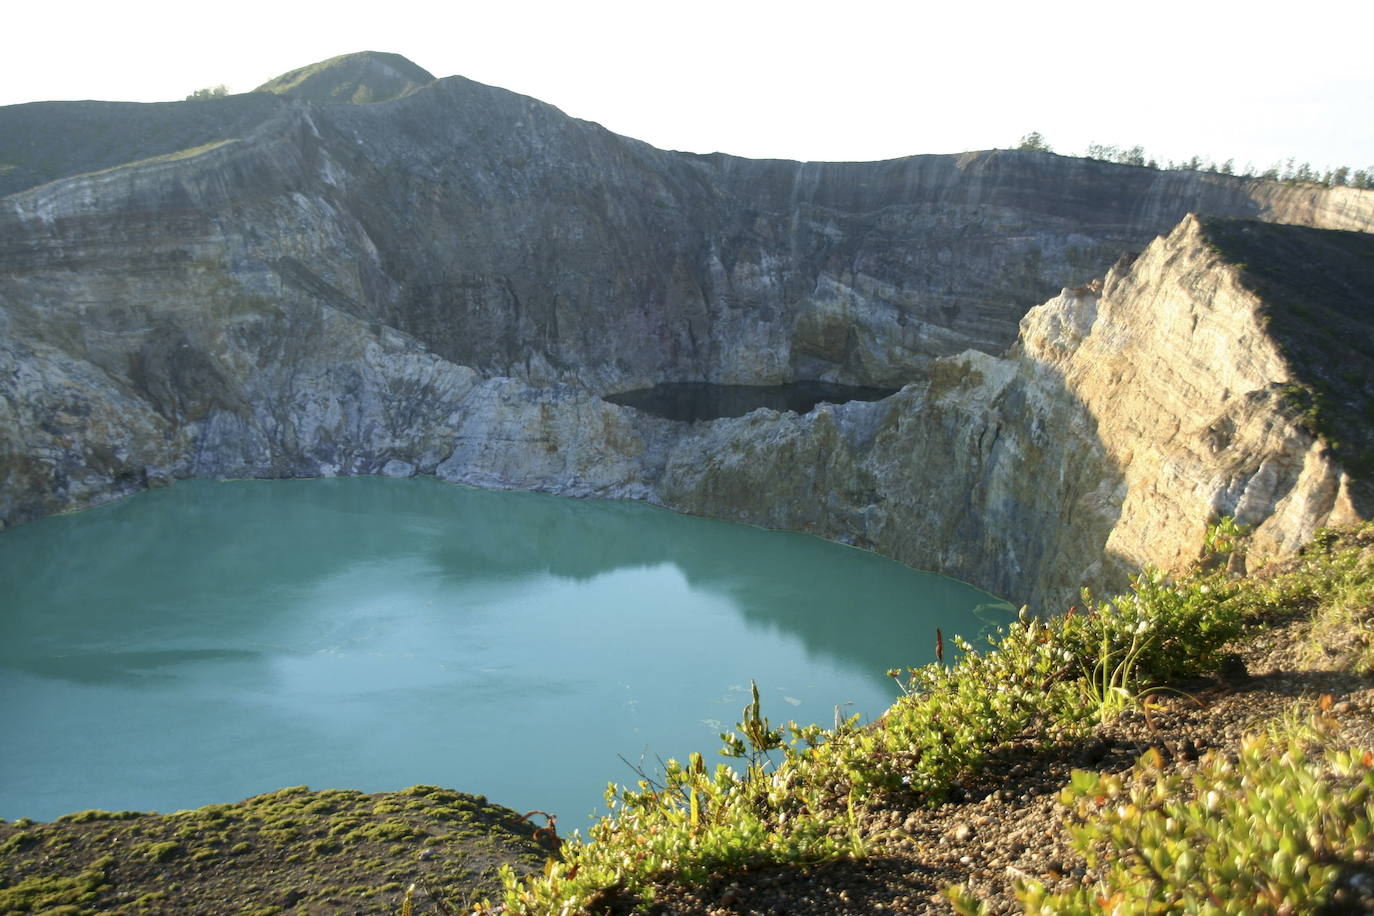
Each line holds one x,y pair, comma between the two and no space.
1127,417
1123,421
446,283
508,237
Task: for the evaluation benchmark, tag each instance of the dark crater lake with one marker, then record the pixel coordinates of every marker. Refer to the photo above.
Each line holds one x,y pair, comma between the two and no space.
212,641
693,401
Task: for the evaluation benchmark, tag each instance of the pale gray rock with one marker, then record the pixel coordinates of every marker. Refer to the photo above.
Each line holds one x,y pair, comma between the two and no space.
397,468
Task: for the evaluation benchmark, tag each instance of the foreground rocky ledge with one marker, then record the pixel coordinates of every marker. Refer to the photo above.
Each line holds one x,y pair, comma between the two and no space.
291,851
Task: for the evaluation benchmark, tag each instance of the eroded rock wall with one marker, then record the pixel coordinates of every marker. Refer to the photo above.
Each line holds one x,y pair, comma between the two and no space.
508,237
444,284
1187,386
1127,418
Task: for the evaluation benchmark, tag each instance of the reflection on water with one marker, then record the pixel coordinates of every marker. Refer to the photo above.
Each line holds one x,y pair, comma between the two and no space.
215,640
693,401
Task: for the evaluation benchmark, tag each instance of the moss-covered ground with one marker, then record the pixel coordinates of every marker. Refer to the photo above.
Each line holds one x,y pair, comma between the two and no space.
291,851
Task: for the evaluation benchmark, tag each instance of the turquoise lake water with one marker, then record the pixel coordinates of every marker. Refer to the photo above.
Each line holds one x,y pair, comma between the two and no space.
215,640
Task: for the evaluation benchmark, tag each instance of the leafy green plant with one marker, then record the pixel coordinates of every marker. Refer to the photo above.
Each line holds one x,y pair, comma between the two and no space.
1269,832
1188,623
1108,687
693,825
1225,538
758,739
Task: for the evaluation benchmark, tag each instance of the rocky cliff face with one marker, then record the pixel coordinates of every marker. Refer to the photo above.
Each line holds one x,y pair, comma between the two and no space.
1126,418
446,282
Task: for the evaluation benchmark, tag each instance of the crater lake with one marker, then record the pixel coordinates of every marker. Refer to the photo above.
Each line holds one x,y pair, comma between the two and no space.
215,640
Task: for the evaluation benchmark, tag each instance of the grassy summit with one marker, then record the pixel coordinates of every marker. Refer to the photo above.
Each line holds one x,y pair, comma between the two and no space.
46,141
359,78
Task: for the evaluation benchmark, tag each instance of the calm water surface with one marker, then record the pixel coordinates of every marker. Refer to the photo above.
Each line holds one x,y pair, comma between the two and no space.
216,640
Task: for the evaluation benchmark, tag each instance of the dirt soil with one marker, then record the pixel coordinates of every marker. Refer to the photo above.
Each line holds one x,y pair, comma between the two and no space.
334,852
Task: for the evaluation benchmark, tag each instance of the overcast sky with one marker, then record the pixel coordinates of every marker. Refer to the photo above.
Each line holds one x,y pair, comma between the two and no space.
797,80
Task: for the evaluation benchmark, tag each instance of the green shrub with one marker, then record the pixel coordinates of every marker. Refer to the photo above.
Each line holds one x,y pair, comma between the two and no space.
1270,832
40,893
209,92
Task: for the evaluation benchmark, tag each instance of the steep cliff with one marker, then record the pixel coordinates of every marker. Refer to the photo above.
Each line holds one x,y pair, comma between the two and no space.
513,239
1128,416
448,281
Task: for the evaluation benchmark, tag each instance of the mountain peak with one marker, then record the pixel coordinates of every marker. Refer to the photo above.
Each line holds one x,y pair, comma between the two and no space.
359,78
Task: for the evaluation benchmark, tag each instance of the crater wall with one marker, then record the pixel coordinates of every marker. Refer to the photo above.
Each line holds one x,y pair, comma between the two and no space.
447,283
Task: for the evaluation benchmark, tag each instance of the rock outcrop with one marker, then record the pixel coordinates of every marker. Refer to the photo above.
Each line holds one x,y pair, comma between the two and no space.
447,282
1128,416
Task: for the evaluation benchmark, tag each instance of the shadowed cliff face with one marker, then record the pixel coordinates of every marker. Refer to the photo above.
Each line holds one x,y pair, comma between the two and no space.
446,282
508,237
48,141
524,243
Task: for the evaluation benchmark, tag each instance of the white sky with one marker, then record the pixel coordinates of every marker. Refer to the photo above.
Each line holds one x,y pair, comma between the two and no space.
848,79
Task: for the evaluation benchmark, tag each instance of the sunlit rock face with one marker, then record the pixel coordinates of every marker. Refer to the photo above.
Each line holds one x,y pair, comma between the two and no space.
448,282
1128,416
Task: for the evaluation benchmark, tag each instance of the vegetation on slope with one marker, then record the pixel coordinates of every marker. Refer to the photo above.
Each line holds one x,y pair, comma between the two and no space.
45,141
1043,683
360,78
1289,171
